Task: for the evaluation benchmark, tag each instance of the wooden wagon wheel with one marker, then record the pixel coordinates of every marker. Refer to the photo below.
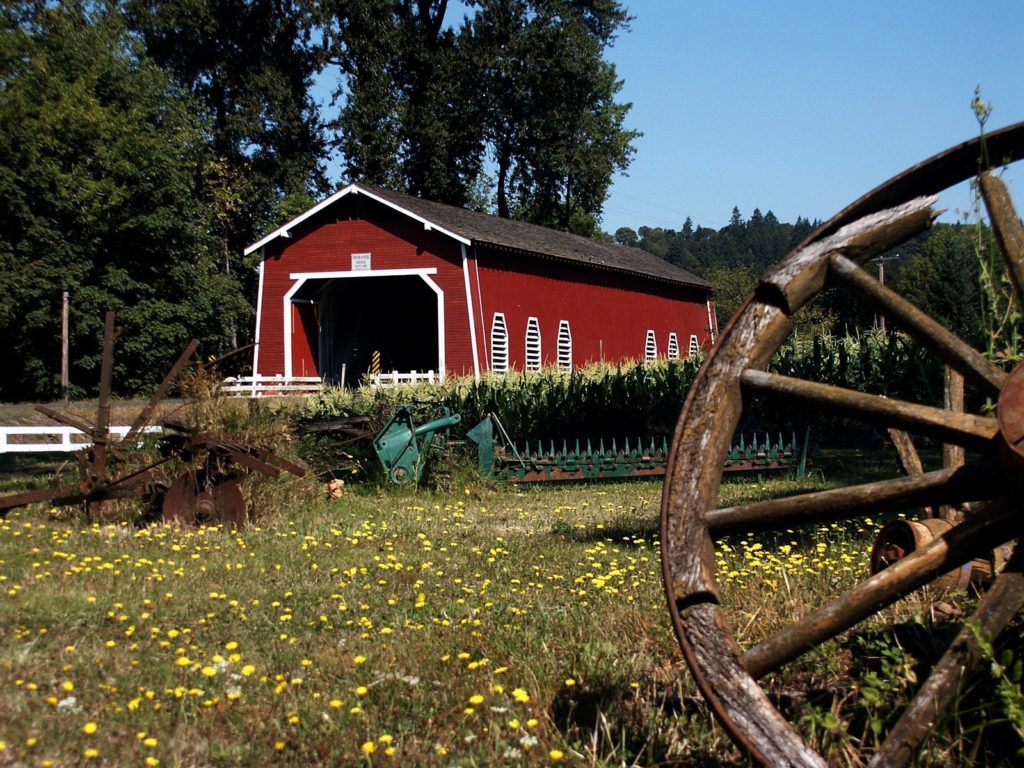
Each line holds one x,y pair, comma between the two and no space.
727,675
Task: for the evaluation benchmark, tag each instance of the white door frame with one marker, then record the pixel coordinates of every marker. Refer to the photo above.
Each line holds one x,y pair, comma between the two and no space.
300,279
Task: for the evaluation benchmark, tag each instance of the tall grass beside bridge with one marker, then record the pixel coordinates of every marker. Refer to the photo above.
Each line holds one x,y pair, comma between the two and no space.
643,399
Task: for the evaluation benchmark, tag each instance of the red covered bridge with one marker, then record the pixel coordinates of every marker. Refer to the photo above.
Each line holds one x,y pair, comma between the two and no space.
432,287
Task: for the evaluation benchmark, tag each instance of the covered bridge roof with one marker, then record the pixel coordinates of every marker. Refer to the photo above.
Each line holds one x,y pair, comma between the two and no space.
481,229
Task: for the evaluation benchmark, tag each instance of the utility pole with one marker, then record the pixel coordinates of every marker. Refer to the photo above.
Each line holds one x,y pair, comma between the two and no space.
881,279
64,347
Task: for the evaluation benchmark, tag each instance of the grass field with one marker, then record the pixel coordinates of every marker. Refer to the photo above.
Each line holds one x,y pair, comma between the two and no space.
488,625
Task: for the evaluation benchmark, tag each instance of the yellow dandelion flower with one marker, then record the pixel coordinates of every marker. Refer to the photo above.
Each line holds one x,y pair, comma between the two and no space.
520,695
476,698
368,747
556,754
91,753
89,728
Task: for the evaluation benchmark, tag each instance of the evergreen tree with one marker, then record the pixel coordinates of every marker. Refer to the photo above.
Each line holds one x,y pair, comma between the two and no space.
943,280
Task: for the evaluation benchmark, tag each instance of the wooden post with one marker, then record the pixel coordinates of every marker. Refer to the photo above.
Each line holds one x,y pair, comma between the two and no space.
64,347
952,455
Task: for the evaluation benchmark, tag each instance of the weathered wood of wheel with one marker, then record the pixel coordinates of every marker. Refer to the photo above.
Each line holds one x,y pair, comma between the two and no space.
727,675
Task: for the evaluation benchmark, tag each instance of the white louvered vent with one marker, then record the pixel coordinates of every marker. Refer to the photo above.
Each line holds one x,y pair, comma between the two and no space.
564,346
694,346
499,344
532,344
650,347
673,347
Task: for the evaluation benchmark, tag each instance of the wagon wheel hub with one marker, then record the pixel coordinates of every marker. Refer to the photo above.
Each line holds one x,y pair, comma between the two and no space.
1011,419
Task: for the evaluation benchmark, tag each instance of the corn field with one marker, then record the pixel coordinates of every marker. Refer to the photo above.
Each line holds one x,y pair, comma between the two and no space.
644,399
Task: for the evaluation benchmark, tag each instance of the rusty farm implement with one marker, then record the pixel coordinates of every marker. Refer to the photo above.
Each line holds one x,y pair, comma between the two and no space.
730,676
196,477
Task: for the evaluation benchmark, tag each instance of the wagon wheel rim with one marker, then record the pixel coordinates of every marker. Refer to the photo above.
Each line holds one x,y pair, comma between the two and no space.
725,675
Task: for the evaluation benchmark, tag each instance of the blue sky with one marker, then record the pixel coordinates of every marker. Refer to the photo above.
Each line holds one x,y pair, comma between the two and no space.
800,108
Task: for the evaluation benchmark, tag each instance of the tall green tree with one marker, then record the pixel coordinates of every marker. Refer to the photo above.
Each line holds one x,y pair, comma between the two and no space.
519,87
412,107
249,65
99,162
554,129
943,280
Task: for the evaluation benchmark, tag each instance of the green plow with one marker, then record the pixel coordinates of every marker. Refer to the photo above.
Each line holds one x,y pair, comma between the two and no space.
500,457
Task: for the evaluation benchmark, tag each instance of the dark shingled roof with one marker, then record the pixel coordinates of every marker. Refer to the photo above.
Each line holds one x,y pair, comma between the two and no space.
483,229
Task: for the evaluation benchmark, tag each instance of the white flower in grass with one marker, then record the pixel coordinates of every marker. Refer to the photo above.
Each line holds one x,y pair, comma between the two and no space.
68,704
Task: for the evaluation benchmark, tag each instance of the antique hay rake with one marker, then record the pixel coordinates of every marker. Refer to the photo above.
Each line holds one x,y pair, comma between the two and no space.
831,256
196,479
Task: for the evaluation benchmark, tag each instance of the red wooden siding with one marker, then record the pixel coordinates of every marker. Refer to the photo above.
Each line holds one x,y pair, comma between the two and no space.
609,313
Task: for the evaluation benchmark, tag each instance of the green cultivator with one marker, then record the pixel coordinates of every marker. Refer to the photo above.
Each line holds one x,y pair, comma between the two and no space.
640,458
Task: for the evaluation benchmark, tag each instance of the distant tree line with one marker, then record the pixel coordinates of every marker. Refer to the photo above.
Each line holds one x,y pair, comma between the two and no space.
939,270
145,143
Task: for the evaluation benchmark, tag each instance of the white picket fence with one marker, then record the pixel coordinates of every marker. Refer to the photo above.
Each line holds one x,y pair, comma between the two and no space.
51,439
394,378
268,386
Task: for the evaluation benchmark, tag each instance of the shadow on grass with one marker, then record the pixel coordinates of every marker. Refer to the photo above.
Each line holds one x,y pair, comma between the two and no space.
661,729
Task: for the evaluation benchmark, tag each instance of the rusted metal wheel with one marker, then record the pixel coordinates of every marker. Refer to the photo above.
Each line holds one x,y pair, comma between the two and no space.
728,675
192,499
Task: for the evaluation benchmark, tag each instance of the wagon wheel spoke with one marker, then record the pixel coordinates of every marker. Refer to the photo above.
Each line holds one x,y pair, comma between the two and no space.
953,350
995,610
964,429
974,482
987,528
1007,227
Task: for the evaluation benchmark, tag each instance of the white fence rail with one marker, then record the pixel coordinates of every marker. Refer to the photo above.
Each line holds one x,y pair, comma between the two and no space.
267,386
394,378
264,386
51,439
